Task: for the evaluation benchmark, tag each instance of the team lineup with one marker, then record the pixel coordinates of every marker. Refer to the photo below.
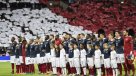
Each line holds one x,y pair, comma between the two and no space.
70,55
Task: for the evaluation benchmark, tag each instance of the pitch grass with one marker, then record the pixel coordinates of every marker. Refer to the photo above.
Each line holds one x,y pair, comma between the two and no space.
5,70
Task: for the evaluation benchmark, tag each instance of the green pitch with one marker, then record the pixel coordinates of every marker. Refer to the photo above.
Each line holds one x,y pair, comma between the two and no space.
5,70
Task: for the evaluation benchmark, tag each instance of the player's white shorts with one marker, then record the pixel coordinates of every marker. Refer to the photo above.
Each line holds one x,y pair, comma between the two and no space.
57,62
90,62
102,59
42,60
83,62
120,58
21,59
113,63
12,59
53,61
107,63
97,63
76,62
48,56
45,60
17,61
62,62
27,60
71,62
32,60
38,59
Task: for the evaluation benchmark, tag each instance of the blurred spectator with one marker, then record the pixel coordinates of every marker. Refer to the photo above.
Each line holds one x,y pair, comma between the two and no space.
71,1
2,51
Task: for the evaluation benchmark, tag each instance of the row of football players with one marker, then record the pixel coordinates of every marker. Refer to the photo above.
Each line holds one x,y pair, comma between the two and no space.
54,54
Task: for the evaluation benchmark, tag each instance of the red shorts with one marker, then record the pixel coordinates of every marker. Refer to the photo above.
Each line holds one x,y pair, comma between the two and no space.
130,61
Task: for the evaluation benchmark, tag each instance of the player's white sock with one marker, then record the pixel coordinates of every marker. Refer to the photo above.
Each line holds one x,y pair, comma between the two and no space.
78,70
113,70
116,72
64,71
54,70
84,69
99,72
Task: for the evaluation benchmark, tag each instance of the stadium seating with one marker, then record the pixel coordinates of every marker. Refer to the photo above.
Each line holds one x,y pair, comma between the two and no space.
94,16
33,22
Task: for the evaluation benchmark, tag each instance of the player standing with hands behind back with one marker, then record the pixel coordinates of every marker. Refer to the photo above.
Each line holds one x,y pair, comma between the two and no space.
119,43
83,58
97,58
128,49
76,58
113,58
106,52
12,50
90,59
62,59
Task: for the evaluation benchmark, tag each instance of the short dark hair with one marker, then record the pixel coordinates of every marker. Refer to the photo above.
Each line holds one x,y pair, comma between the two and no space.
46,37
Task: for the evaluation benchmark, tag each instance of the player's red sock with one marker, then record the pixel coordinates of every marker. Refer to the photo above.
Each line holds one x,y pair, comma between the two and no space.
59,70
22,66
125,68
133,69
91,71
30,70
50,68
82,71
12,65
17,69
68,68
107,71
120,68
72,70
45,67
21,70
33,68
39,68
111,73
103,70
27,68
42,68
